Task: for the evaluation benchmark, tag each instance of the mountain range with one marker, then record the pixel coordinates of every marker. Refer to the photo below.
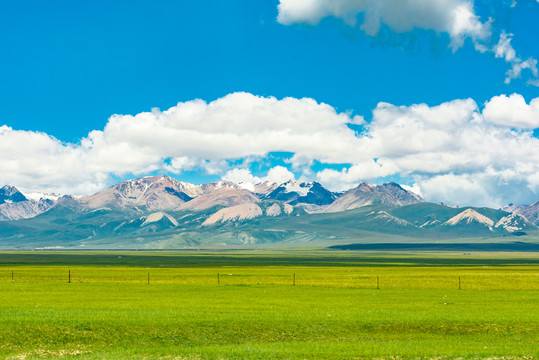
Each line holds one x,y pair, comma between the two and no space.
162,212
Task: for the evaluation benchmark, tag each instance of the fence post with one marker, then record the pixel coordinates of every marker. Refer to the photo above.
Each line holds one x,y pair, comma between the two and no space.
459,282
12,276
294,281
218,279
148,278
69,276
378,282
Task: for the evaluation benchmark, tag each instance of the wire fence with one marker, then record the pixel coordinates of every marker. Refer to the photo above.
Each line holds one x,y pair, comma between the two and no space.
466,281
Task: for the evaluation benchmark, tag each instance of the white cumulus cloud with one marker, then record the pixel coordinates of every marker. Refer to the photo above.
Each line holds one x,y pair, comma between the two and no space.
279,174
244,177
512,111
349,177
454,17
432,146
191,135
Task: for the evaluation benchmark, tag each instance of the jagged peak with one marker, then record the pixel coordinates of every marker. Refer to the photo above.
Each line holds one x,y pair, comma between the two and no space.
9,189
9,194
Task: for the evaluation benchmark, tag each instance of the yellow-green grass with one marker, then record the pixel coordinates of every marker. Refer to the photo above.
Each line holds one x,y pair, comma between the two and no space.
109,311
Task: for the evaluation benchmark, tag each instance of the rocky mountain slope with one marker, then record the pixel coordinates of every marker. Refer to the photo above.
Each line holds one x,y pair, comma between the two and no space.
389,194
156,193
10,194
14,205
530,212
224,196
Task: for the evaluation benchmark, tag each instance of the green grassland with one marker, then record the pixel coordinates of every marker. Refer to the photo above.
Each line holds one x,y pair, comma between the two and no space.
334,310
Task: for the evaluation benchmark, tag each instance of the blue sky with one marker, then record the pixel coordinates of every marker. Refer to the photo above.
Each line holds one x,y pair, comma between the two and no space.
66,67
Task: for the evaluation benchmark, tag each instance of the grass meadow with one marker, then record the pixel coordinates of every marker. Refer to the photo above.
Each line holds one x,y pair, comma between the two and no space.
269,305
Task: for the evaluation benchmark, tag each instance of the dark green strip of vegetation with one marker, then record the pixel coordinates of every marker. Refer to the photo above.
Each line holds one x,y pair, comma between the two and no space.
325,258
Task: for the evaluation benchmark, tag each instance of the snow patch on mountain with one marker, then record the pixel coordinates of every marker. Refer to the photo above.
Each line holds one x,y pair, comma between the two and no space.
512,223
36,196
301,188
385,217
158,216
470,216
101,210
430,223
298,192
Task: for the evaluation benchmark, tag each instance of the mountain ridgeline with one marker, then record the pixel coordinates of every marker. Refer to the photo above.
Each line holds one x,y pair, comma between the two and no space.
161,212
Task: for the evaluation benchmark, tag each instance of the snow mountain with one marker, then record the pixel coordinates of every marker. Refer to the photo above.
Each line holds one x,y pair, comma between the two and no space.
154,193
300,192
10,194
161,212
14,205
389,194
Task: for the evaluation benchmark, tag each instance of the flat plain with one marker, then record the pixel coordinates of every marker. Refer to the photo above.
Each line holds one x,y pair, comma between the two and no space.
295,304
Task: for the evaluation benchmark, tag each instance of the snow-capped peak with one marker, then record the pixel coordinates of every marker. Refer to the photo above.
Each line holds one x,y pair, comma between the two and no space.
11,194
37,196
302,188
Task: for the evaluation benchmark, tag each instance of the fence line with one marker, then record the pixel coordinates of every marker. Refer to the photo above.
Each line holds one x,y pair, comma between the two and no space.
471,281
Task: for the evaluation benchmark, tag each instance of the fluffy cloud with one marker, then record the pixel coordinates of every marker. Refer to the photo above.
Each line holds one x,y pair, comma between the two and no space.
512,111
450,151
244,177
279,174
454,17
191,135
471,189
37,161
365,171
457,18
442,150
235,126
489,187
